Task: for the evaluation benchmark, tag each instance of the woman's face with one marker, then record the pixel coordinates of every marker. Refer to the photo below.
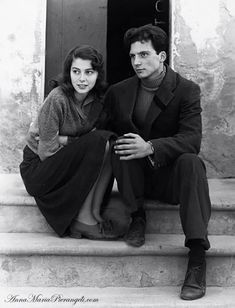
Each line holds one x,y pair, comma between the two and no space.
83,76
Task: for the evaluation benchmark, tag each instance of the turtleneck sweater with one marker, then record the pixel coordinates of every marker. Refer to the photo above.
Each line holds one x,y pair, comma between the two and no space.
146,92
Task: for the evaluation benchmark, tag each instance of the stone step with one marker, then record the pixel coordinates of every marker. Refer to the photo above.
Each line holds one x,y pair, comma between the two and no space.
19,213
155,297
38,259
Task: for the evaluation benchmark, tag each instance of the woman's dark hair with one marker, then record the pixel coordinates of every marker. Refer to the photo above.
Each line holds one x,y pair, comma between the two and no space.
84,52
155,34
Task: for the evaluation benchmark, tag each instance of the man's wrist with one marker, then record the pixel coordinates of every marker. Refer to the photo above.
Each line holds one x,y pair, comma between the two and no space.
151,148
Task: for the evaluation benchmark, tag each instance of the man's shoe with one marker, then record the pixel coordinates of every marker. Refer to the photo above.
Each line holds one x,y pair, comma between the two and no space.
136,233
194,286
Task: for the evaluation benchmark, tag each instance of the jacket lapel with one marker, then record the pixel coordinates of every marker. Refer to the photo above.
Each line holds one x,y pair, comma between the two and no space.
129,95
129,99
161,99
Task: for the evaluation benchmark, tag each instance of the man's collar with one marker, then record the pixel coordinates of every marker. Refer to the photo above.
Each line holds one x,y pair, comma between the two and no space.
165,91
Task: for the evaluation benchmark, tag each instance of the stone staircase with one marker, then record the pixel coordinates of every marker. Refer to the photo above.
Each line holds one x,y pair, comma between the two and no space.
35,264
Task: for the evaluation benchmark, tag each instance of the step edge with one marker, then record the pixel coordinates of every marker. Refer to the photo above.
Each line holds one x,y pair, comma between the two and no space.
120,249
149,204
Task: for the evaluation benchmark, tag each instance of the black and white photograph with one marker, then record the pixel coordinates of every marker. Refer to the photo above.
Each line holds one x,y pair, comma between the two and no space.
117,153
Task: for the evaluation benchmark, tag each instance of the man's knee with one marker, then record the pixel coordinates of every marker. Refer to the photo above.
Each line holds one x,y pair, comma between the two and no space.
190,163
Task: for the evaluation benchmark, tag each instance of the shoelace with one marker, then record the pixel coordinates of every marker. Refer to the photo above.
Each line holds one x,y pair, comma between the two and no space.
194,271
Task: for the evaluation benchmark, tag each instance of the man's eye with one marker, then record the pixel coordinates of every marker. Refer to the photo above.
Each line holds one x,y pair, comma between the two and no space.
144,54
132,56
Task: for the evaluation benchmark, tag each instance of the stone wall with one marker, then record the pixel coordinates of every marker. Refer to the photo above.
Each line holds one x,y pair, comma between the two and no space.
22,53
203,49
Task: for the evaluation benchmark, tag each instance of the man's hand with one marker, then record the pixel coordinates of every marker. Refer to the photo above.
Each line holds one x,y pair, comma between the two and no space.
132,146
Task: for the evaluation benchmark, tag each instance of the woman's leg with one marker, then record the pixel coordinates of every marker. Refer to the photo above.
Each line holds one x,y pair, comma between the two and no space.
102,184
90,210
85,214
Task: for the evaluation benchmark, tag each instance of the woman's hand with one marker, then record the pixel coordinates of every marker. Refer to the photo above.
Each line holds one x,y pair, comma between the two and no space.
63,140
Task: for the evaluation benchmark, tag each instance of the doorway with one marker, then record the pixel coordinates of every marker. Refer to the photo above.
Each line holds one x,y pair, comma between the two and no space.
102,24
122,15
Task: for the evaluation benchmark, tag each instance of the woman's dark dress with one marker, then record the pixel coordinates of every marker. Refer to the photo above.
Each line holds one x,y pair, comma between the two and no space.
61,182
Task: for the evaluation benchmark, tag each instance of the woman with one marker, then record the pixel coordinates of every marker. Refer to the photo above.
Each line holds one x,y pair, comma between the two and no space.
66,165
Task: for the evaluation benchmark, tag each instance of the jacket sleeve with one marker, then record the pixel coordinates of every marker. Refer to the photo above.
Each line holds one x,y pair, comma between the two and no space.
108,114
49,123
189,134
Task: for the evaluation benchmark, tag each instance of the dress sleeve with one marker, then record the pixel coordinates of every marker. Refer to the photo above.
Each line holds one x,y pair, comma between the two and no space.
49,118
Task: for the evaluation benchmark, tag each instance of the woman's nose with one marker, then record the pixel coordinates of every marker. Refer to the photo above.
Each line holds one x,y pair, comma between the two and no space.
82,77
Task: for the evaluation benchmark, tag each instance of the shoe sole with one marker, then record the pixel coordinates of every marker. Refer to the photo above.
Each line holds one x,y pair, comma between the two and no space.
191,299
134,244
81,235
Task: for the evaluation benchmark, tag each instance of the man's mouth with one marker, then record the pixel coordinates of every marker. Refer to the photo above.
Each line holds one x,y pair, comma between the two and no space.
139,70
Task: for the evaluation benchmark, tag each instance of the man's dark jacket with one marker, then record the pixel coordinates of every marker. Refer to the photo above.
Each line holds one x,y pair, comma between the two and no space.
173,122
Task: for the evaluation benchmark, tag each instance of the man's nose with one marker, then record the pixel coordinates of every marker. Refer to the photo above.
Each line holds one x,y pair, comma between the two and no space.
137,61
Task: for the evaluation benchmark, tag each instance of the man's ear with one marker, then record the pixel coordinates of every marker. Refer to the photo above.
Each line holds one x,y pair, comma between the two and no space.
162,55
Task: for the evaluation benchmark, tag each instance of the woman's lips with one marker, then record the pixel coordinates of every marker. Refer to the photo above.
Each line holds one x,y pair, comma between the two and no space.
81,86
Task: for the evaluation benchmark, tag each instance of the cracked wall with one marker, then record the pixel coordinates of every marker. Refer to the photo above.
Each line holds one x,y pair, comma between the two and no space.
22,50
203,49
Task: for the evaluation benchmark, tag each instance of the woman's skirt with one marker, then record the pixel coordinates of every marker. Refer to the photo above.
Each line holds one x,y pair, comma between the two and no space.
61,183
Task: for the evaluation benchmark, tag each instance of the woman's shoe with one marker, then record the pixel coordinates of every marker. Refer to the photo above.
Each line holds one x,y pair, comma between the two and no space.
108,230
73,231
99,231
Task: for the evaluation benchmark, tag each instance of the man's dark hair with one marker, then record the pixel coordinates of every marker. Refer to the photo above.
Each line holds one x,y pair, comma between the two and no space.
156,35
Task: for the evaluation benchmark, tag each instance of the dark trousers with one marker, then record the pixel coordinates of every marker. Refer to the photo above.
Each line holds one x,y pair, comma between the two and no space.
183,182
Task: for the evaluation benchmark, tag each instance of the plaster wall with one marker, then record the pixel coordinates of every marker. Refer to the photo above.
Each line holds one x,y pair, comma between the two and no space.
203,49
22,54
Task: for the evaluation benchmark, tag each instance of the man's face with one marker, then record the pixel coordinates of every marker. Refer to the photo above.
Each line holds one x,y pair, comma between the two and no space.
144,59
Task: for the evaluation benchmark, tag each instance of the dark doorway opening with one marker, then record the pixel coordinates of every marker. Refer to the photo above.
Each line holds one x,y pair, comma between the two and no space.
122,15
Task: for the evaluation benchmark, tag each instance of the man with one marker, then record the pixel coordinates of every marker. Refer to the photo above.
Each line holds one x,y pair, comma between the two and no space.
157,116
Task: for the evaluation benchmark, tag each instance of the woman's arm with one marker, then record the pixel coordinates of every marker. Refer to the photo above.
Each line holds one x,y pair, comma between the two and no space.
49,118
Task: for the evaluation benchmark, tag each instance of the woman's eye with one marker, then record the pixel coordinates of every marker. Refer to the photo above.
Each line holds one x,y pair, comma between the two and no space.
90,72
76,72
